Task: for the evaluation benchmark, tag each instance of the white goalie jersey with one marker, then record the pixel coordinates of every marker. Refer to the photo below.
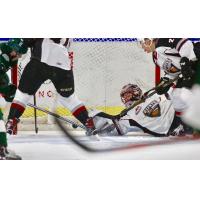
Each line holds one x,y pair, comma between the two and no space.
154,116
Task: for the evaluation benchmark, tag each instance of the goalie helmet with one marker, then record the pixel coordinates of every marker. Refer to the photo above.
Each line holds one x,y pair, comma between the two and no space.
130,93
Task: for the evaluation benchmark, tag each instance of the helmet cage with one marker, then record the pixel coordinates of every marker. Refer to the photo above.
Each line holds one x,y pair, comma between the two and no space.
130,93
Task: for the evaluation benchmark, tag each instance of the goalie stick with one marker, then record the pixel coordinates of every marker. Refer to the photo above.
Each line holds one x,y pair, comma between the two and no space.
147,95
165,141
117,126
74,124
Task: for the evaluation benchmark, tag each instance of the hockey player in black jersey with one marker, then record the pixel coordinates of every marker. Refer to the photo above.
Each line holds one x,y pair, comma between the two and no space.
175,56
49,60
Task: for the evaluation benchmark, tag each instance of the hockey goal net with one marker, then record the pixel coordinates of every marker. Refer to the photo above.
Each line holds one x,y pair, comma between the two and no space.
102,66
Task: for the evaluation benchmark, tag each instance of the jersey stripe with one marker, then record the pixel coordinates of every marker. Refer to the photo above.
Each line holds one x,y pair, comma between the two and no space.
181,43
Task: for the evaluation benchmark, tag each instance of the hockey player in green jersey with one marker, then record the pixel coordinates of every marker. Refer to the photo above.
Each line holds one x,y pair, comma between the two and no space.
9,54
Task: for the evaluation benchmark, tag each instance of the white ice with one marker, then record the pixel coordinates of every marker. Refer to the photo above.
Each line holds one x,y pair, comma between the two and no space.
53,145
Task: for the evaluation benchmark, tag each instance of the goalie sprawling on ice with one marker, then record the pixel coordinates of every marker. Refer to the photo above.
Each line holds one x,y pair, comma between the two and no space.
156,116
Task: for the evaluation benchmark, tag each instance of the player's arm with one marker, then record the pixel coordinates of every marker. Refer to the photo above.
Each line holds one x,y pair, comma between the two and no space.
184,46
186,51
163,86
63,41
30,42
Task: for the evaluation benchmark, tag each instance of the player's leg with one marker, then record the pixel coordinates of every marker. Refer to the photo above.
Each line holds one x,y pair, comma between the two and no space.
180,98
3,138
192,114
64,84
5,154
32,78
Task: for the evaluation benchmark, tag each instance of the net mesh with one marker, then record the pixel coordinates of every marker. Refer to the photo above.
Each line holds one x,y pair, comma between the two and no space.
101,68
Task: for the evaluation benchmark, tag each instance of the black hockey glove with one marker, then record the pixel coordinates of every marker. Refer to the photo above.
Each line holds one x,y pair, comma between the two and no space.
163,87
10,93
186,68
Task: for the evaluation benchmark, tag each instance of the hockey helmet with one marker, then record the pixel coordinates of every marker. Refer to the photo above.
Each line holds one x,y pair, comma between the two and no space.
147,44
17,44
130,93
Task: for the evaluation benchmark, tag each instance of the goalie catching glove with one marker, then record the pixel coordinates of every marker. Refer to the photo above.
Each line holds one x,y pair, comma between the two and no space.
163,86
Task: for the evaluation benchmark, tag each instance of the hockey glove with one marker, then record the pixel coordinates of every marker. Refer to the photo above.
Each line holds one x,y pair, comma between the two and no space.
186,68
3,69
163,87
10,93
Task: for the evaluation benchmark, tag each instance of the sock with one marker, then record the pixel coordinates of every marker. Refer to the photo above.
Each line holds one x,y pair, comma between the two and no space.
16,111
3,139
178,114
81,114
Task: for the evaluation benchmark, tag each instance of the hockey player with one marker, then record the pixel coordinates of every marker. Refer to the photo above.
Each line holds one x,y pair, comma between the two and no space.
175,56
192,114
49,60
9,54
156,116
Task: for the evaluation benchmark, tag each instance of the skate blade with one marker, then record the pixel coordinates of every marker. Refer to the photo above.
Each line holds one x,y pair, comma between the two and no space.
94,138
13,158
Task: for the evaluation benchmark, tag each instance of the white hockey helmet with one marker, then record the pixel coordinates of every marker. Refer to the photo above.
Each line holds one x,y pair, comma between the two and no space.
145,41
130,93
147,44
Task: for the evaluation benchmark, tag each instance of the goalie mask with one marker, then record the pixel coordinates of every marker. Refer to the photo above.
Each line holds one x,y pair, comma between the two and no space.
130,93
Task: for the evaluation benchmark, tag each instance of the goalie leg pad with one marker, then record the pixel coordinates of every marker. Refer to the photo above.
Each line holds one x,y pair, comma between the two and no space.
180,99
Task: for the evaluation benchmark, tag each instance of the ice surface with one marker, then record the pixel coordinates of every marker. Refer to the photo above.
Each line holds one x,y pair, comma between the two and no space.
52,145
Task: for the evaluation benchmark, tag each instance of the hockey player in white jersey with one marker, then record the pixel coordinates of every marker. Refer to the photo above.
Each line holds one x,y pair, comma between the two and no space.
49,60
174,56
156,116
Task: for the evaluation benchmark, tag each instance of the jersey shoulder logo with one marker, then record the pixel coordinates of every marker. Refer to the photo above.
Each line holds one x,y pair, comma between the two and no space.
152,109
169,67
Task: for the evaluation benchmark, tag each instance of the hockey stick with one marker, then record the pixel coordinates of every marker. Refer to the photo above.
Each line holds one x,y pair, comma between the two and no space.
74,124
35,114
165,141
117,126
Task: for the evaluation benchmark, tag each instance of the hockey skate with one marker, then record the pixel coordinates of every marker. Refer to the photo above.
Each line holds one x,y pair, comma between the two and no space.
6,154
11,126
179,131
91,130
